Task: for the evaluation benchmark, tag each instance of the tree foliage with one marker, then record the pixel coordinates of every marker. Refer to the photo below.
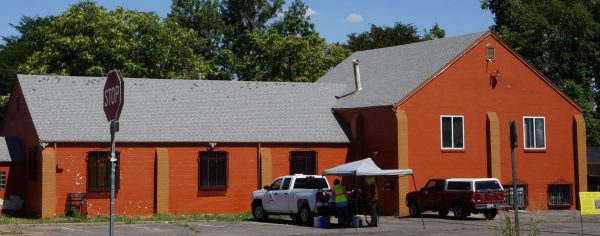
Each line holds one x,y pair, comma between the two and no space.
295,51
257,44
385,36
204,17
87,39
560,38
16,50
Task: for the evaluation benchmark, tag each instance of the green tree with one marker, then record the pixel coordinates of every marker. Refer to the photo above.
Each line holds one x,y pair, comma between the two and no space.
436,32
249,15
385,36
288,49
87,39
247,21
560,38
294,51
204,17
16,50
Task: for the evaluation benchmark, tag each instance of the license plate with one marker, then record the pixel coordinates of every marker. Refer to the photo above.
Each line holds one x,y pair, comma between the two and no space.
490,205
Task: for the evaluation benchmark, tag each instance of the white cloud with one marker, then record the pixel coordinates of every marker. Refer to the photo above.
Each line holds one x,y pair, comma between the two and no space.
354,18
310,12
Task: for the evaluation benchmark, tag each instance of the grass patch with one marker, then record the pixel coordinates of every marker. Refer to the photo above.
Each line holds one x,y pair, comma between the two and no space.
507,227
10,220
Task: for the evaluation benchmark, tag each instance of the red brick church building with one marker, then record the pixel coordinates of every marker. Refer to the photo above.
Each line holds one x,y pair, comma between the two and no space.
439,107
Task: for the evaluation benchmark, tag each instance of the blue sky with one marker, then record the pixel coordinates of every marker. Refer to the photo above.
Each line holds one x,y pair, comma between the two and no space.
334,19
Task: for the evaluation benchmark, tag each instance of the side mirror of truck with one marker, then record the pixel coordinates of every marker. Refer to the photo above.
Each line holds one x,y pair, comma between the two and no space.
422,189
266,187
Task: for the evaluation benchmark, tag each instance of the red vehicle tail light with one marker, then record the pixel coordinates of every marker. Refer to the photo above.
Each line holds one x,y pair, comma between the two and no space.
475,197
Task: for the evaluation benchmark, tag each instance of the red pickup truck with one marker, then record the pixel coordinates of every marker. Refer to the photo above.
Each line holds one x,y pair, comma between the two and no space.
462,196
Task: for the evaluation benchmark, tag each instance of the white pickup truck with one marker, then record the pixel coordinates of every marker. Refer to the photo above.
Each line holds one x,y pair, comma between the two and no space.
300,196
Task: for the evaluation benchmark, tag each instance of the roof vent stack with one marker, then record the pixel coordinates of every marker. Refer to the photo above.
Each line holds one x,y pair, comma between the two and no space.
355,63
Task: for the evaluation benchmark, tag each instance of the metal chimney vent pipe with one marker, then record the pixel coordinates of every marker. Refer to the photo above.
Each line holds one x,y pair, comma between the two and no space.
355,63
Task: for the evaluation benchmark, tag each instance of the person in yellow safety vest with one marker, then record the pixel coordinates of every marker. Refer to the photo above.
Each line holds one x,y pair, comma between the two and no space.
372,198
341,203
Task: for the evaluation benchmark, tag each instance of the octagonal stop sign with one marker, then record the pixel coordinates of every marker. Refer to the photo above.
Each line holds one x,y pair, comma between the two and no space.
113,95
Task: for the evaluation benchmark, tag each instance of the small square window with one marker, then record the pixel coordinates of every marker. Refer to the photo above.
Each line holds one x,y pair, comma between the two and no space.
534,132
452,132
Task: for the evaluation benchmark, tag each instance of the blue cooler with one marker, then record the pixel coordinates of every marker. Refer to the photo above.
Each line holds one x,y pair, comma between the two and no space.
321,222
356,222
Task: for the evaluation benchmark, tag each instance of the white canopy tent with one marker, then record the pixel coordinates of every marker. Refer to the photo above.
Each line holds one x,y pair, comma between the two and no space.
366,167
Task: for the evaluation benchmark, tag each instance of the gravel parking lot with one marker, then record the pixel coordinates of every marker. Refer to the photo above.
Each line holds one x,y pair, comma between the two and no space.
546,222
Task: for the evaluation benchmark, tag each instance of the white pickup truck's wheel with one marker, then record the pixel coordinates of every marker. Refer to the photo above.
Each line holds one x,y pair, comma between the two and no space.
258,212
305,216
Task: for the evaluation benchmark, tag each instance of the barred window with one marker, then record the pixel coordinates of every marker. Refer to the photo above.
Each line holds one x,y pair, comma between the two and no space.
521,195
560,195
303,162
99,170
212,170
2,180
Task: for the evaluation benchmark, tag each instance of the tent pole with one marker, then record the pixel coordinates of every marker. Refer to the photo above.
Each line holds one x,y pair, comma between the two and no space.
355,200
418,202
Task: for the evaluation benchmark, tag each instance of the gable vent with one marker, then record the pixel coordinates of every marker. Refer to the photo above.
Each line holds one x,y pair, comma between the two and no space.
490,53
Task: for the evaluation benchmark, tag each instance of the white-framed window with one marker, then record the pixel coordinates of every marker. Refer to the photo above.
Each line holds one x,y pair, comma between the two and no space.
452,132
534,132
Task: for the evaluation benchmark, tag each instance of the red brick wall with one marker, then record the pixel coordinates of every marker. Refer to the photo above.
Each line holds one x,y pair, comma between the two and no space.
136,195
465,89
18,122
242,178
184,194
328,156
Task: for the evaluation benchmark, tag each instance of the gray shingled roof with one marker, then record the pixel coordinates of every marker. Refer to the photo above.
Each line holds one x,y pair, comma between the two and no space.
69,109
593,155
10,149
390,74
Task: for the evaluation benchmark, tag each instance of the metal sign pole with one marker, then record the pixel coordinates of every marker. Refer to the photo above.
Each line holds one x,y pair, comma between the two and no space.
513,145
514,191
114,127
113,96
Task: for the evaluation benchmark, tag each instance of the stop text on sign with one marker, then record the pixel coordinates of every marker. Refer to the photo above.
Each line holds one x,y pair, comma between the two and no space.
111,95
